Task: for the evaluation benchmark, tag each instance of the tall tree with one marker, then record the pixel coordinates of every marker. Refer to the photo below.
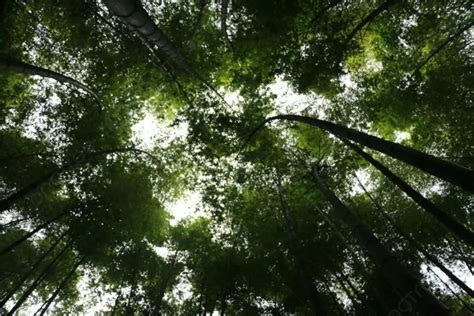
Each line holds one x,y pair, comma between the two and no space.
397,275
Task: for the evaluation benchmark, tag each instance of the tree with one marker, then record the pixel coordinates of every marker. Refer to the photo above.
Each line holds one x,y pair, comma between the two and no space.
391,76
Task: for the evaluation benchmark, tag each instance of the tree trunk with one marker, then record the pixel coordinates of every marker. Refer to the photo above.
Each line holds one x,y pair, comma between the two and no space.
345,289
13,223
224,11
161,293
25,277
25,237
441,46
452,224
314,298
417,245
59,288
437,167
8,202
12,64
200,17
394,272
132,13
131,295
38,280
356,260
369,18
333,296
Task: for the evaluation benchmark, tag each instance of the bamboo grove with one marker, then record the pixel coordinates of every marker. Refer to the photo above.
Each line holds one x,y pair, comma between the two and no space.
324,152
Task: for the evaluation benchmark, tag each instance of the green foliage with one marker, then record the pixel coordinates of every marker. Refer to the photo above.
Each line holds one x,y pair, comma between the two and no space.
62,151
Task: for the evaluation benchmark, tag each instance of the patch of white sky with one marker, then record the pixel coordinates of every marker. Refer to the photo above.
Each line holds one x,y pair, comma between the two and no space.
288,100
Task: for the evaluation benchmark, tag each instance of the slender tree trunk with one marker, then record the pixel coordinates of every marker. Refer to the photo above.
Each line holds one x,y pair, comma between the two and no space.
314,298
38,280
161,293
116,304
223,306
452,224
13,223
28,274
351,285
14,65
468,261
455,294
131,295
9,201
200,17
435,166
25,237
59,288
132,13
356,260
323,11
369,18
442,45
224,12
394,272
340,309
416,244
345,289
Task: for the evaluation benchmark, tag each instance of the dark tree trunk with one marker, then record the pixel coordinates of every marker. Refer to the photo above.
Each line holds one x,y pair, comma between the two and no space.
346,290
437,167
452,224
358,264
224,11
314,298
27,275
197,24
417,245
8,202
38,280
13,223
14,65
340,309
131,296
161,292
132,13
369,18
394,272
59,288
25,237
441,46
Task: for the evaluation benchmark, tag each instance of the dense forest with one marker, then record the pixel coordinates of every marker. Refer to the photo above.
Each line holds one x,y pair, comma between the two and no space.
323,150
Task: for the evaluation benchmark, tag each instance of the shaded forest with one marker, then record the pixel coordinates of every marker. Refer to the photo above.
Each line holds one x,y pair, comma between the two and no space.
244,157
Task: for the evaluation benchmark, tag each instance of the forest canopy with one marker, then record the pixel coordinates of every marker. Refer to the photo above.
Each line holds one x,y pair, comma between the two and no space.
245,157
